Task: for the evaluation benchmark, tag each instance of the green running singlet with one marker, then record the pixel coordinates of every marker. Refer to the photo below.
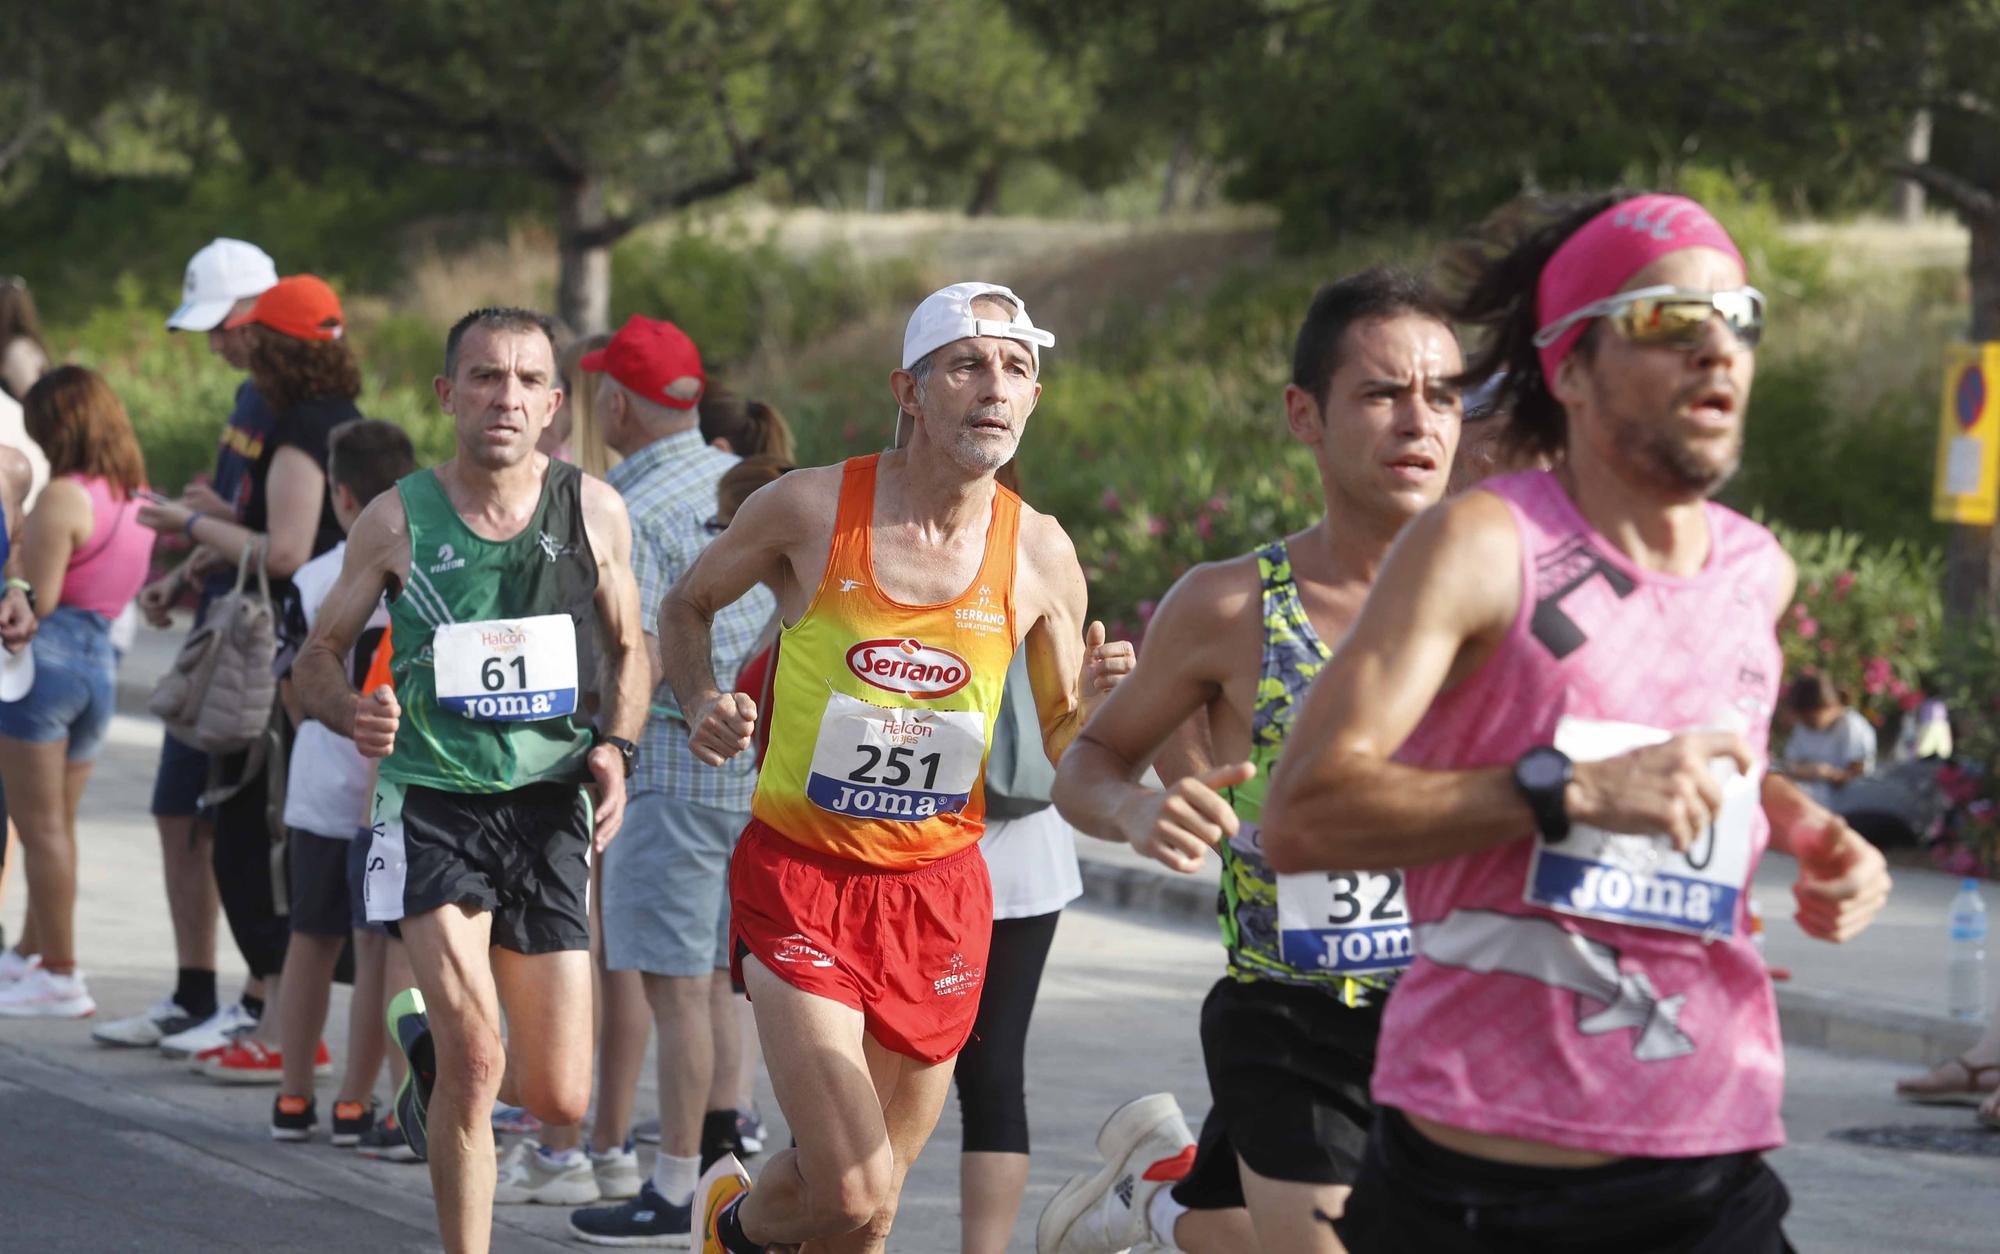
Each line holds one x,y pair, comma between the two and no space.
1248,903
457,576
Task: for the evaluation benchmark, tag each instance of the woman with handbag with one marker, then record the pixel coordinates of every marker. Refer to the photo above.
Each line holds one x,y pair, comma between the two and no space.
301,365
86,556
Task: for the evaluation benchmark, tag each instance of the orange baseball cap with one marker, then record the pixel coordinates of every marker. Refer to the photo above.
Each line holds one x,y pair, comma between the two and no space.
301,306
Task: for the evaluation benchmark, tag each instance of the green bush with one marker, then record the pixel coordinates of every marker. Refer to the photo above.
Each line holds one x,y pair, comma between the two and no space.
1868,617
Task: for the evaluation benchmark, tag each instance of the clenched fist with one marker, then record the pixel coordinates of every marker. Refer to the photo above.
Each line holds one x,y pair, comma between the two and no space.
376,717
1105,666
723,728
1173,825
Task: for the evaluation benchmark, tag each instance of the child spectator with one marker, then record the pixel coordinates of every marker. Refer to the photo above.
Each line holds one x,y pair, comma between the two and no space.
326,805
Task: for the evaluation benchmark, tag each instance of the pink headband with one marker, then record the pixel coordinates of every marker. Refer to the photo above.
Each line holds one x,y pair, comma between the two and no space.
1608,250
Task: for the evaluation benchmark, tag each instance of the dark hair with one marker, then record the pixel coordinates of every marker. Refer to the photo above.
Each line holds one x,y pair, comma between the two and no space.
288,372
366,456
751,427
82,427
1497,269
1377,292
18,319
745,477
495,318
1811,691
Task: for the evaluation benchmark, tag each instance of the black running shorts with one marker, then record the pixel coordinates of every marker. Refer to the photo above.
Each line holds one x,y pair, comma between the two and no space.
522,856
1288,1071
1414,1194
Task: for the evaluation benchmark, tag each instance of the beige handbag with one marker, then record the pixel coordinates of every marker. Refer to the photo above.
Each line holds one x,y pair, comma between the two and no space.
219,693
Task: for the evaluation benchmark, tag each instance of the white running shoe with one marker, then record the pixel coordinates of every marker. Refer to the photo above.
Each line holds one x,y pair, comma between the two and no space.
42,994
147,1028
1146,1147
220,1028
530,1174
617,1172
13,966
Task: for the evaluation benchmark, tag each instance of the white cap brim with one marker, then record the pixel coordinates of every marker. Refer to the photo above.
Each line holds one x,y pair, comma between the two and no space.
199,315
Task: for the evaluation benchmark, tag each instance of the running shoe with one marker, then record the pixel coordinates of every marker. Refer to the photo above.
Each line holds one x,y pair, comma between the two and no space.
410,1029
42,994
13,966
750,1132
514,1121
648,1219
718,1187
617,1172
250,1061
530,1173
351,1122
225,1025
293,1118
385,1142
148,1027
647,1133
1146,1146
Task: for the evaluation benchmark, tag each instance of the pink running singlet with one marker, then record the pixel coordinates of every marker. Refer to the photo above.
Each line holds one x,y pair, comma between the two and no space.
1600,992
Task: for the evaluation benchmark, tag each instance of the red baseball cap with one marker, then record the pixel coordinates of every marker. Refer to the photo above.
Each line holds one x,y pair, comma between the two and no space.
650,356
301,306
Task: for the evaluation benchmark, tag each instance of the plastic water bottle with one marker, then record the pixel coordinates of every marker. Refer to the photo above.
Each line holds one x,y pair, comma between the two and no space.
1965,978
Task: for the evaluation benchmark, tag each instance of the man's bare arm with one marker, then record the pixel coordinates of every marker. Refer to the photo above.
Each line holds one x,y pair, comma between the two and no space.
751,551
627,661
376,549
1059,646
1181,668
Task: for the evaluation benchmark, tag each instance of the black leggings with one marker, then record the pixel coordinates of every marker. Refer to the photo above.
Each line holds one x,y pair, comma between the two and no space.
992,1068
243,873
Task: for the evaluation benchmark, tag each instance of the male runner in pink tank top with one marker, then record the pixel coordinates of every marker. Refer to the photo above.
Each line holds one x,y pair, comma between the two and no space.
1553,711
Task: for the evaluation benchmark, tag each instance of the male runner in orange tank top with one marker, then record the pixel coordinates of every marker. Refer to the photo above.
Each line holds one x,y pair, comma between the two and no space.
860,911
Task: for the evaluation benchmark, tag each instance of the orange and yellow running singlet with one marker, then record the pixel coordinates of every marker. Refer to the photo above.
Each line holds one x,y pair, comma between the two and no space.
882,712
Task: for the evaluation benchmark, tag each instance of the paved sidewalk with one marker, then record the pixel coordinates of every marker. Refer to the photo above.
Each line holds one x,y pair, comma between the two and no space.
1881,995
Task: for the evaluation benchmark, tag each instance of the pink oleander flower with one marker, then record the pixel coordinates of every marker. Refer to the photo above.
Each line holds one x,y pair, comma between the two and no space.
1205,525
1826,648
1109,502
1909,701
1156,526
1807,628
1842,583
1146,609
1218,503
1876,675
1962,861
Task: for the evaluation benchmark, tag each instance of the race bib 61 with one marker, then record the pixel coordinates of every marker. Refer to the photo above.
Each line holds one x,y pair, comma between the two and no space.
507,670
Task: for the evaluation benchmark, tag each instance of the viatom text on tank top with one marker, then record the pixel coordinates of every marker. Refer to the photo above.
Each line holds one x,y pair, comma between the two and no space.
882,712
1601,992
486,637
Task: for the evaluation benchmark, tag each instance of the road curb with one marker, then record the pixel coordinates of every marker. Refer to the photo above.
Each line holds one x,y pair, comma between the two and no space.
1834,1022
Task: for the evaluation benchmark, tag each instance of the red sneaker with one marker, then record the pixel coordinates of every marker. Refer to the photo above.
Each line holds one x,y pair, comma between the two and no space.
252,1062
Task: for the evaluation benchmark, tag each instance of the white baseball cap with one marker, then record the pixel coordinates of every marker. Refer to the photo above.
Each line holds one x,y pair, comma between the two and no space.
217,277
946,315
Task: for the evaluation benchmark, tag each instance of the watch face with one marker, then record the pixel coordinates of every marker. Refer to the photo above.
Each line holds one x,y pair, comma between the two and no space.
1543,769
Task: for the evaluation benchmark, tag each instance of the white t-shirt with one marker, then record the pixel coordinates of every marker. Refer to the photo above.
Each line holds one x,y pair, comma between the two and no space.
1845,741
14,434
327,790
1032,863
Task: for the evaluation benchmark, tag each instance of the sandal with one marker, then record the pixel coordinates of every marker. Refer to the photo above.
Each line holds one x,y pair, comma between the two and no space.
1953,1082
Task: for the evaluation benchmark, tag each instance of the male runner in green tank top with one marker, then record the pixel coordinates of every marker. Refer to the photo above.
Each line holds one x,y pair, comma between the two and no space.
499,564
1289,1034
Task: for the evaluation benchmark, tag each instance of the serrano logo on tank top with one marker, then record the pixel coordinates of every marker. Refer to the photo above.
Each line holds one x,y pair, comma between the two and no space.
909,668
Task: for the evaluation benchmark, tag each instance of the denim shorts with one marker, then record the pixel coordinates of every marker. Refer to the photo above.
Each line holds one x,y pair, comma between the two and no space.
76,685
666,887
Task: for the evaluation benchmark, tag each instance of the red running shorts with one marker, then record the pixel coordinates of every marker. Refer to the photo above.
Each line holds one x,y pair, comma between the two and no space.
905,948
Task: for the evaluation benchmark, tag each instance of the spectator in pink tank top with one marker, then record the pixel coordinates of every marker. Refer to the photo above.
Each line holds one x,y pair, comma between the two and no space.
1553,713
86,555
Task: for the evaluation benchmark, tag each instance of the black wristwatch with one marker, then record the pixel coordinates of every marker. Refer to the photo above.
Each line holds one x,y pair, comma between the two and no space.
1542,775
626,748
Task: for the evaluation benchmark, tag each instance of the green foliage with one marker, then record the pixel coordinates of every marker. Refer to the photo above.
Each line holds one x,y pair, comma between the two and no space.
738,294
1867,616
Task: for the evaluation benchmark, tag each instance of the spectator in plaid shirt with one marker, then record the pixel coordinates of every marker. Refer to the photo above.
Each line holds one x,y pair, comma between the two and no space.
665,880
